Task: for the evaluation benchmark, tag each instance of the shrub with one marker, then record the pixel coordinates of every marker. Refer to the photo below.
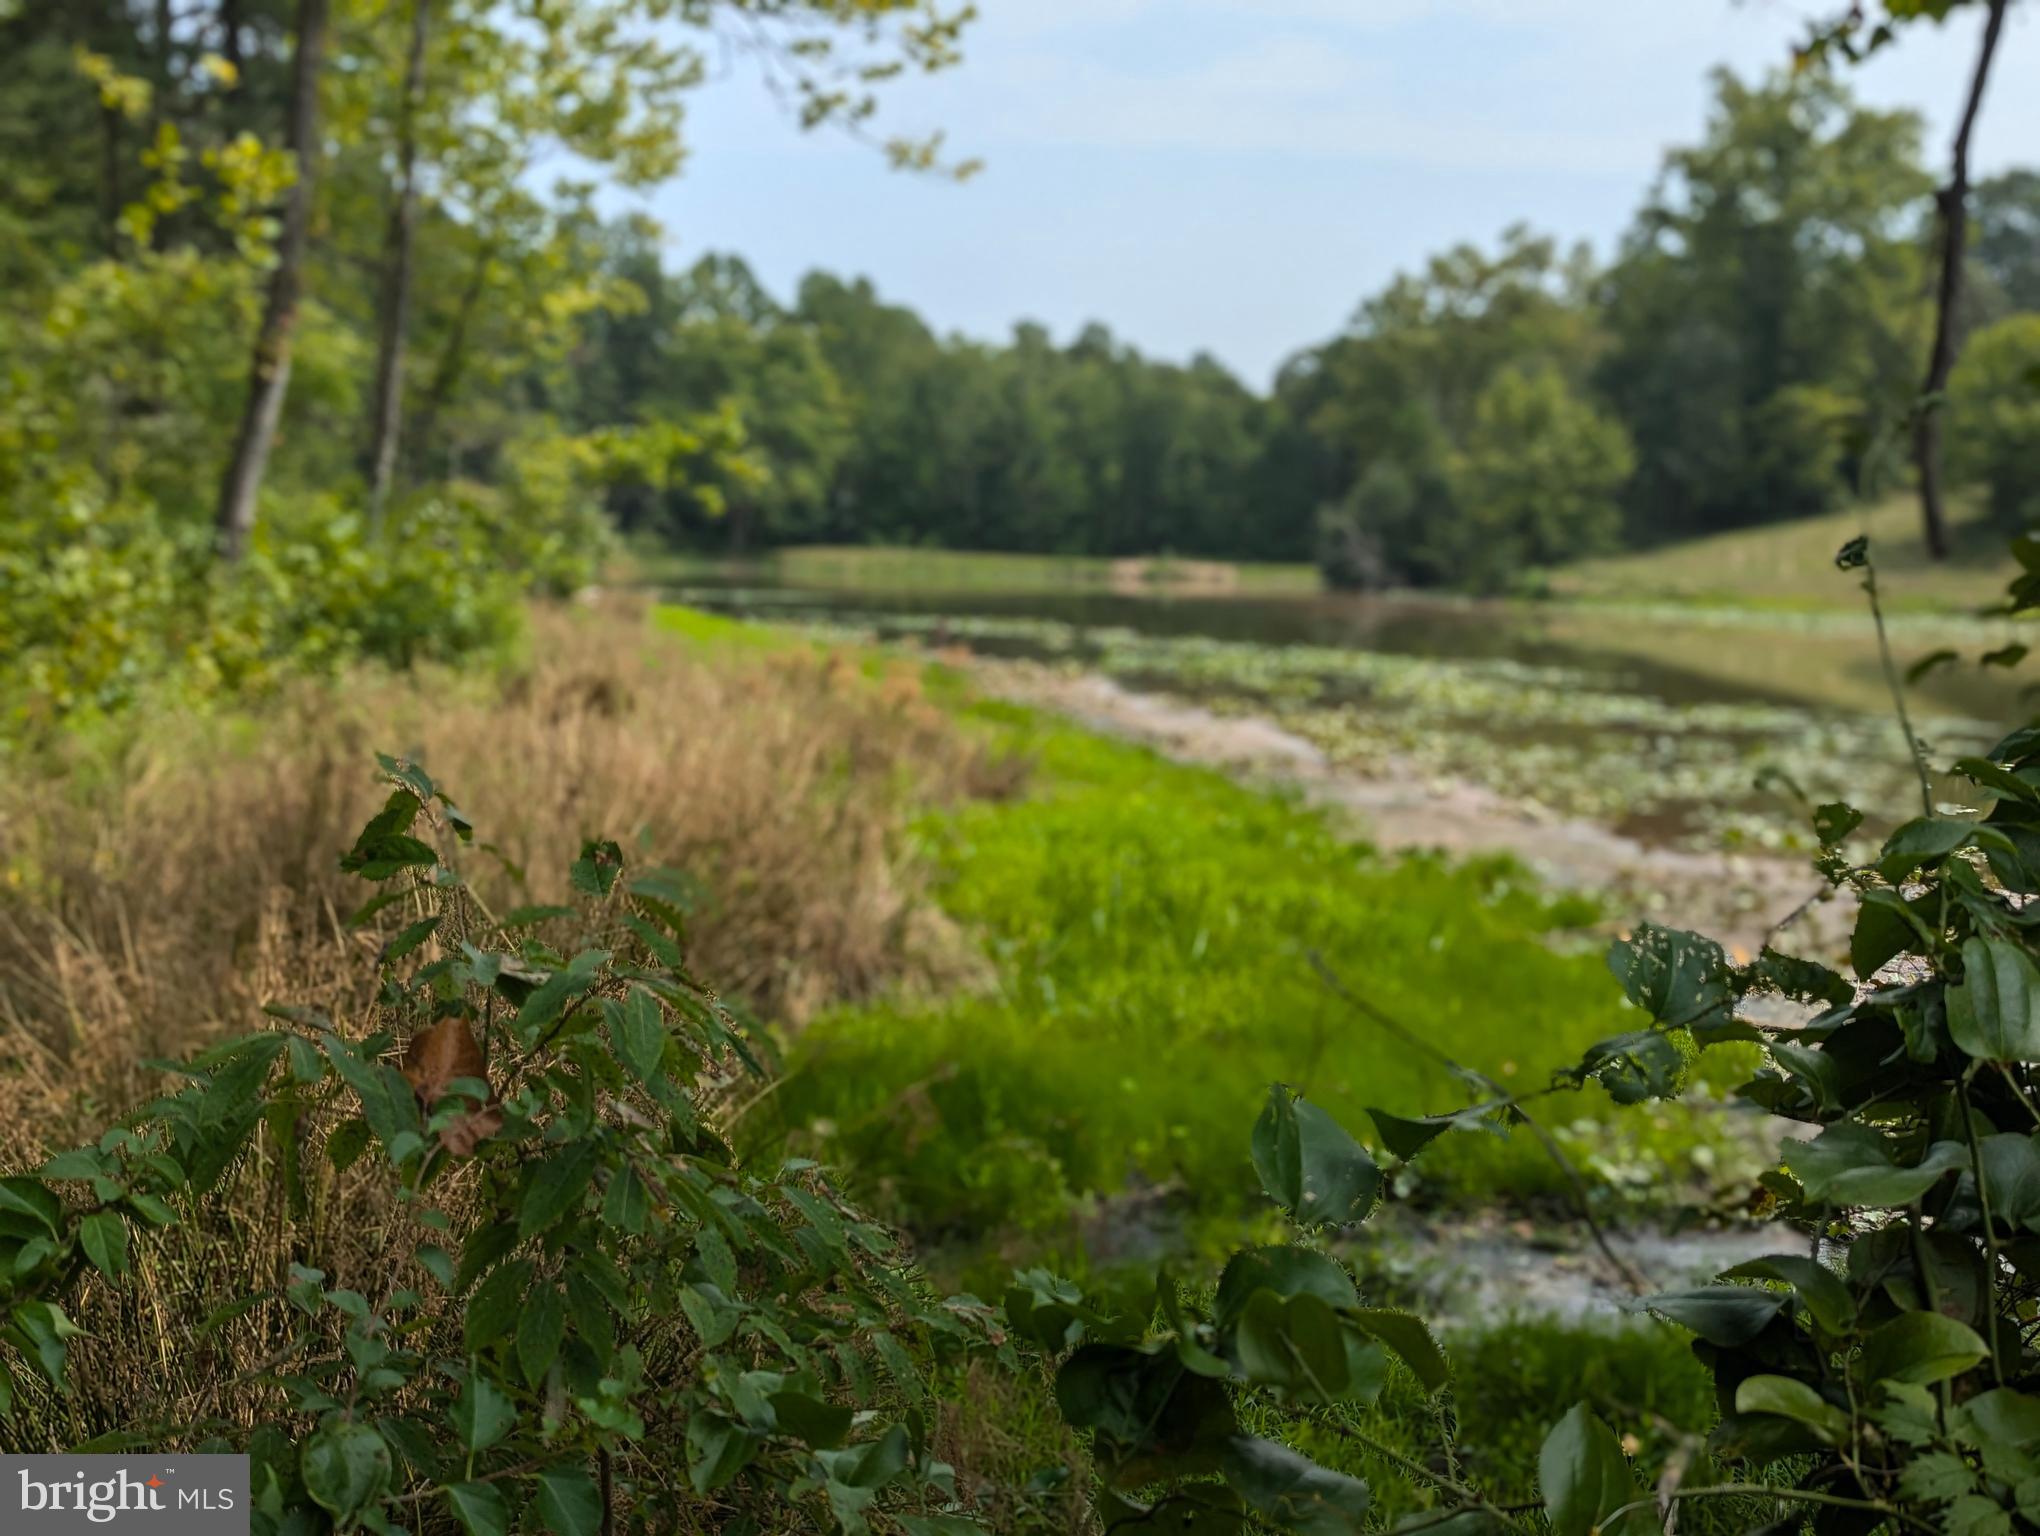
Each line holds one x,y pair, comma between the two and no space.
479,1254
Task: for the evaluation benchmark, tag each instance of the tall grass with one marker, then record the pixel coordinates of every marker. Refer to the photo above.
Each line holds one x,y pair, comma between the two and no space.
156,889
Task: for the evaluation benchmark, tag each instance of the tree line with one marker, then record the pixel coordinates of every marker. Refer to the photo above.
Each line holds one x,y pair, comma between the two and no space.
283,294
1750,353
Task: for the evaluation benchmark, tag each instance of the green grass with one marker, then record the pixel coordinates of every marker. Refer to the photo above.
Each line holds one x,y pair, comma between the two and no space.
1151,928
877,567
1510,1382
1791,565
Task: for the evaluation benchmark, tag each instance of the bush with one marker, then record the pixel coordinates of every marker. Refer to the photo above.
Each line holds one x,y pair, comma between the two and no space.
478,1255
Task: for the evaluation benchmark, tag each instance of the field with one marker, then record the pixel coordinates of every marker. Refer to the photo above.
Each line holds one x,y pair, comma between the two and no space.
1785,565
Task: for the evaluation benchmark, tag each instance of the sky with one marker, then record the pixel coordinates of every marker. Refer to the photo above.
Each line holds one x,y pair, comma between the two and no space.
1233,176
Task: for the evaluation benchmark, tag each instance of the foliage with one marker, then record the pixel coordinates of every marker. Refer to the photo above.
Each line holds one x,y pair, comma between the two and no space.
139,230
1881,1379
1773,258
1994,416
577,1278
1537,478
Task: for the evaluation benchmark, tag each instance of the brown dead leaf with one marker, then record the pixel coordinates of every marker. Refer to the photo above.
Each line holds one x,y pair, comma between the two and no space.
435,1059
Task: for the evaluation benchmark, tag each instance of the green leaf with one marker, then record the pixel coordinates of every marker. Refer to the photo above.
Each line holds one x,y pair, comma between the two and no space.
482,1415
1310,1166
1851,1164
1292,1492
2009,1172
594,872
541,1324
718,1448
1834,821
1723,1315
1820,1289
408,939
28,1198
494,1306
1923,840
1680,979
554,1188
1974,1514
1994,1011
637,1030
1930,662
346,1467
1886,926
104,1237
479,1508
1293,1343
568,1502
531,917
1585,1478
822,1426
83,1163
1412,1342
1405,1138
1643,1064
1791,1399
2000,781
1287,1271
1920,1348
1937,1477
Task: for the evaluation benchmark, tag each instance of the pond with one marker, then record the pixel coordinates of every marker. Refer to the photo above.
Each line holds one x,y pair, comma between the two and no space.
1675,724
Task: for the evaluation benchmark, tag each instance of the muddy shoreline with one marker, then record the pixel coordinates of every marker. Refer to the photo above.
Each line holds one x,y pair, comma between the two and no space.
1739,899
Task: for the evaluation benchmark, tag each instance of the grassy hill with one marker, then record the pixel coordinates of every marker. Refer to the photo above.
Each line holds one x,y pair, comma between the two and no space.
1790,565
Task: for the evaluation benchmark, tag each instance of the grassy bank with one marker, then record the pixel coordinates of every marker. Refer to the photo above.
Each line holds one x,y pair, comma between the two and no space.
1790,565
1152,930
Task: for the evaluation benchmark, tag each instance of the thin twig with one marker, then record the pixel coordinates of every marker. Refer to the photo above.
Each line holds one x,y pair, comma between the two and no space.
1990,1268
1638,1282
1760,1490
1891,681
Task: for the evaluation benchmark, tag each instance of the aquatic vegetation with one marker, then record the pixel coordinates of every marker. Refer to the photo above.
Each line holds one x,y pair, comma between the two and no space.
1603,741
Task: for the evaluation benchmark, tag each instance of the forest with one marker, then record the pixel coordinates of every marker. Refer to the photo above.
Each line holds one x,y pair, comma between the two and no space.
635,906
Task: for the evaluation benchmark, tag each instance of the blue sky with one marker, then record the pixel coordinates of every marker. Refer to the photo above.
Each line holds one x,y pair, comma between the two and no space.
1232,176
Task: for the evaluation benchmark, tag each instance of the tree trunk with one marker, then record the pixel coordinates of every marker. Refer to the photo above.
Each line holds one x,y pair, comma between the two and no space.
230,38
380,462
111,201
1951,206
269,369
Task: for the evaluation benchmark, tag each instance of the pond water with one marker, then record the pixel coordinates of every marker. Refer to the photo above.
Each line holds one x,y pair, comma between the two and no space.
1688,726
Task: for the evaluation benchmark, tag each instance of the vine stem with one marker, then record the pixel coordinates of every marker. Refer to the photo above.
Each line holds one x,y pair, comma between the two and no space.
1891,681
1761,1490
1990,1268
1470,1498
1639,1284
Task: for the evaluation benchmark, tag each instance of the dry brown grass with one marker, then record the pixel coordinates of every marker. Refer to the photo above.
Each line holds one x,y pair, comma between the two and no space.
155,898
